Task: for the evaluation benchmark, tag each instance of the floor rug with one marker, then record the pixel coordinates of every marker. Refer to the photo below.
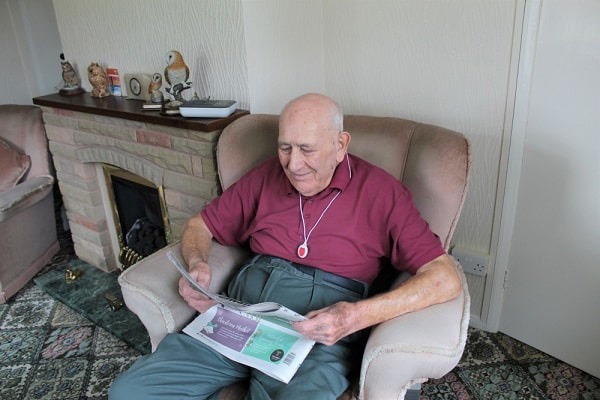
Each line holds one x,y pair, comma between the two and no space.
86,296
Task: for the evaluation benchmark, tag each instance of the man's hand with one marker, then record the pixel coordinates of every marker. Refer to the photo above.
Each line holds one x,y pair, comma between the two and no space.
329,324
200,271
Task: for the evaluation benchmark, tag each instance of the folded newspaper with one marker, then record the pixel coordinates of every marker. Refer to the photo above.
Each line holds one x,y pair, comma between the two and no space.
258,335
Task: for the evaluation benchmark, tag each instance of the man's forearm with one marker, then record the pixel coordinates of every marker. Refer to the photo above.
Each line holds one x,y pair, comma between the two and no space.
196,240
434,283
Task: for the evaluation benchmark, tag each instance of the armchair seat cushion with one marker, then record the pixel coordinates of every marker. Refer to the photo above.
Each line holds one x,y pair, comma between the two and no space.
13,165
24,195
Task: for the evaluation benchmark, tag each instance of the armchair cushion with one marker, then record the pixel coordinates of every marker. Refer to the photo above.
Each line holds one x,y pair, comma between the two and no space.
13,165
24,195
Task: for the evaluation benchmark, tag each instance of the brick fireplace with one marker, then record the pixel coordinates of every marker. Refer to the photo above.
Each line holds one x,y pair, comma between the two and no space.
175,154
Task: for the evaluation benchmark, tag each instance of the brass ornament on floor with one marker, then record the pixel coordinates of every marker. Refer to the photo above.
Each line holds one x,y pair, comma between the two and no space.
72,275
114,302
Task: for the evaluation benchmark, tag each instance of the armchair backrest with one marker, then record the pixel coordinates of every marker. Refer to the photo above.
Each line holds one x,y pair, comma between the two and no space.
432,162
23,127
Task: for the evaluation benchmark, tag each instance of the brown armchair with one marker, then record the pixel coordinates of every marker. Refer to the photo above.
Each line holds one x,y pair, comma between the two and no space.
27,220
433,162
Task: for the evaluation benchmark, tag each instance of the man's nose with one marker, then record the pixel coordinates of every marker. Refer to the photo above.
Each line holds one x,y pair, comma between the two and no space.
296,160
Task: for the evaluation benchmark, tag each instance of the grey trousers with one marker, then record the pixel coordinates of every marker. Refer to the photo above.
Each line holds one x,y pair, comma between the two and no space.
184,368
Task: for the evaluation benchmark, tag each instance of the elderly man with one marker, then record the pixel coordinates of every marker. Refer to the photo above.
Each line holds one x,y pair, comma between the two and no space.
321,222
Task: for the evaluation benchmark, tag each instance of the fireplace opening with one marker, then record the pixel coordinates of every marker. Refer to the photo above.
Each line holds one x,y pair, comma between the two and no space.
139,213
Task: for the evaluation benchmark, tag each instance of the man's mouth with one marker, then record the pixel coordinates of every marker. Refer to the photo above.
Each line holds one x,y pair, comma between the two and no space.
299,176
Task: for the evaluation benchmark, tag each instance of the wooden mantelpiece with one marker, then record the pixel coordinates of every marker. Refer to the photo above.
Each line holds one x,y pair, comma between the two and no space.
120,107
174,153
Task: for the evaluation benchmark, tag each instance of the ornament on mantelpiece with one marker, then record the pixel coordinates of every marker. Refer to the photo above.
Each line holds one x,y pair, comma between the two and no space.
176,74
70,80
156,96
99,80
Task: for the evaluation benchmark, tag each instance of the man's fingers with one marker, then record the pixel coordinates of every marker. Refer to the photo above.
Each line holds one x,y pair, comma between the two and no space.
327,325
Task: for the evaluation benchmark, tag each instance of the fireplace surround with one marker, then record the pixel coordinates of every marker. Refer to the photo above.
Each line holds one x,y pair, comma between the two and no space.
174,154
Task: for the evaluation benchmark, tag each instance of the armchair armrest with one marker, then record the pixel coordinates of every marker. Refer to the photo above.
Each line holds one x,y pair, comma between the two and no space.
150,288
25,194
414,347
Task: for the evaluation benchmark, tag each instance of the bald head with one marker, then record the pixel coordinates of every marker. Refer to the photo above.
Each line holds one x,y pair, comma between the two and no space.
329,112
311,142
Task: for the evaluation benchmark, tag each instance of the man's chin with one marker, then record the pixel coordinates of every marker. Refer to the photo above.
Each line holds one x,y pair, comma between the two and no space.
306,190
302,188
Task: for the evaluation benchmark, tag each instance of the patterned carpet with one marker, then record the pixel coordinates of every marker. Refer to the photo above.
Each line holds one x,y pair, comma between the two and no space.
48,351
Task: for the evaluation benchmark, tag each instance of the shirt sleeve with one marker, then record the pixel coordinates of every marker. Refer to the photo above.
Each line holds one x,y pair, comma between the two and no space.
229,216
413,244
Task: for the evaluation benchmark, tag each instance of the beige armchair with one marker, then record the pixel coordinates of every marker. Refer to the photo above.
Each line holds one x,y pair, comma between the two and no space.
433,162
27,220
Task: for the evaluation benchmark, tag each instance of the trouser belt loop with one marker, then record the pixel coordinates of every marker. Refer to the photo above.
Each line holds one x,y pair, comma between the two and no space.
318,276
255,258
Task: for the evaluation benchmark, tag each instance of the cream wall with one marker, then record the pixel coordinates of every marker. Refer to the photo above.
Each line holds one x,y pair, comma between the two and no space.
16,73
135,36
446,63
16,82
29,50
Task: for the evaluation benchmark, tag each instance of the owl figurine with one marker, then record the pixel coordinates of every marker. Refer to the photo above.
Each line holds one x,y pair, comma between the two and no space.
70,80
68,73
156,95
99,80
176,75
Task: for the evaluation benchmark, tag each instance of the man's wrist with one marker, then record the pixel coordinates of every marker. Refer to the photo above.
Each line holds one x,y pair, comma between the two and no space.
196,261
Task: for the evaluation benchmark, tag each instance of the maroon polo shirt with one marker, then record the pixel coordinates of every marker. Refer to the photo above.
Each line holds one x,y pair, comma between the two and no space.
373,219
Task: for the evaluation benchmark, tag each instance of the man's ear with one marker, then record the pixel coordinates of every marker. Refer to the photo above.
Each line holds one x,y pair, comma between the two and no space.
343,140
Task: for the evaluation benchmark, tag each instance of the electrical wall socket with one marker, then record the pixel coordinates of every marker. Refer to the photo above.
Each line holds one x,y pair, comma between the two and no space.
472,262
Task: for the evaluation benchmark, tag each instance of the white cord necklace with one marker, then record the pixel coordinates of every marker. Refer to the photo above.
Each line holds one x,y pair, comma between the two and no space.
302,250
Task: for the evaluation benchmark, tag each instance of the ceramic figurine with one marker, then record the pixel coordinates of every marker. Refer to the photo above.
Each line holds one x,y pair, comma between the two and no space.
99,80
176,75
70,79
156,95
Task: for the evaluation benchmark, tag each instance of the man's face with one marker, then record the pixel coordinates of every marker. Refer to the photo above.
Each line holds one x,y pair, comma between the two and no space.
309,150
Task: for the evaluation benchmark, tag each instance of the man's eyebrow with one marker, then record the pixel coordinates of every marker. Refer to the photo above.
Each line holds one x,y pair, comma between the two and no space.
303,146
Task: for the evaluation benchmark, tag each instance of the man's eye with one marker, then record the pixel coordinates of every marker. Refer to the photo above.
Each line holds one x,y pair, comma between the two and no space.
285,149
308,151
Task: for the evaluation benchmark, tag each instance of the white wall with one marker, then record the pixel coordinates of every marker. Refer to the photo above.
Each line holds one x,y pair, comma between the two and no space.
135,36
446,63
29,50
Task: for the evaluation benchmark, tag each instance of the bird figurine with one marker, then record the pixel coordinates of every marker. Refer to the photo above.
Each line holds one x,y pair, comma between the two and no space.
156,95
70,80
99,80
68,73
176,75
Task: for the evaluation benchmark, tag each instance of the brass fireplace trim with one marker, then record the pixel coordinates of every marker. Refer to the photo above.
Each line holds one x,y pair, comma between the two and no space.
128,256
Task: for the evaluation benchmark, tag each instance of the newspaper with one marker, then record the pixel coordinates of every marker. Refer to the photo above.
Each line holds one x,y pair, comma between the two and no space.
258,335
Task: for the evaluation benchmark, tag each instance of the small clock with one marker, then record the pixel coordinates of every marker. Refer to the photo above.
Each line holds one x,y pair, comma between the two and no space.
137,85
